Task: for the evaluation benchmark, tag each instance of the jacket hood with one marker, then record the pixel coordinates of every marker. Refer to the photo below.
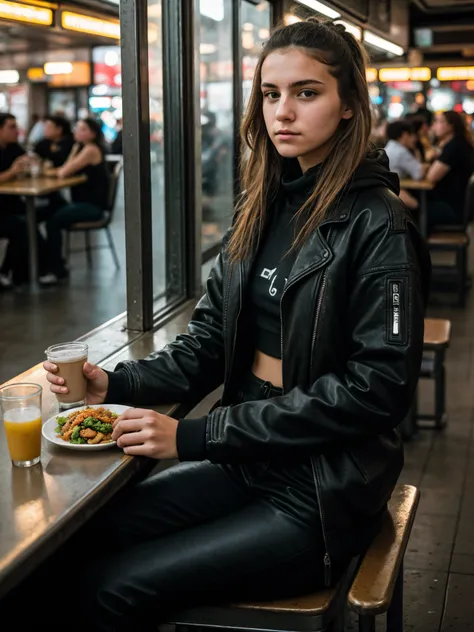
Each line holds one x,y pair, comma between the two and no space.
374,171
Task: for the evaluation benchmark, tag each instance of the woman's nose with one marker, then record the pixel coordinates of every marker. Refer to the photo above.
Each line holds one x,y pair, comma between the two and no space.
285,110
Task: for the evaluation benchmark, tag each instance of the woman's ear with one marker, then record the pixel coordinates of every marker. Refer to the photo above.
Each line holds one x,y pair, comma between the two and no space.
347,113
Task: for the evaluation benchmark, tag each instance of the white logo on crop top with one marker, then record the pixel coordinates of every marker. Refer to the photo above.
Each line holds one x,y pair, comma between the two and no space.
269,275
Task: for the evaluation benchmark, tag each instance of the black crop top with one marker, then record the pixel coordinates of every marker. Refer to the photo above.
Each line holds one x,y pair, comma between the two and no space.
96,189
271,267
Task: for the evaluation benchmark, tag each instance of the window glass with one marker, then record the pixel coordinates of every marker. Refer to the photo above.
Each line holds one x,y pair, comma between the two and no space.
155,70
255,31
216,73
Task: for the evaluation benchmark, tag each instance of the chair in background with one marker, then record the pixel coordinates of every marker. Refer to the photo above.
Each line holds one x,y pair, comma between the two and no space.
455,239
102,224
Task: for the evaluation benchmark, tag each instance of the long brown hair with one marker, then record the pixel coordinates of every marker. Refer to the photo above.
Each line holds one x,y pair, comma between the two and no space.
260,172
458,124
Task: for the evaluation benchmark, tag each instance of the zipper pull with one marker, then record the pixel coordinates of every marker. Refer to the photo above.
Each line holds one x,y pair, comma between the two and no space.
327,570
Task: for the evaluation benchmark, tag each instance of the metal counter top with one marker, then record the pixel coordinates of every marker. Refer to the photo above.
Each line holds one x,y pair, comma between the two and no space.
41,506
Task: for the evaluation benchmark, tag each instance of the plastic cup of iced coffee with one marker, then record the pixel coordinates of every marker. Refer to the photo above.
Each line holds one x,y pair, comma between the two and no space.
70,358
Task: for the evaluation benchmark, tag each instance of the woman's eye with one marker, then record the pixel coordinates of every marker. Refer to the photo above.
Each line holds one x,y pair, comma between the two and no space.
307,93
271,95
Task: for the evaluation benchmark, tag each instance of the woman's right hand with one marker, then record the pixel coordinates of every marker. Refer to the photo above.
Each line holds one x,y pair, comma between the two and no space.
97,382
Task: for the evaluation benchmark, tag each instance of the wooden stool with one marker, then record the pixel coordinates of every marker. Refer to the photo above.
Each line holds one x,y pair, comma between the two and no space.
436,341
377,587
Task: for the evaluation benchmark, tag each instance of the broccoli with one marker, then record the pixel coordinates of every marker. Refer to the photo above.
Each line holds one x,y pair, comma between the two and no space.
78,439
61,420
58,429
75,434
105,428
97,425
89,422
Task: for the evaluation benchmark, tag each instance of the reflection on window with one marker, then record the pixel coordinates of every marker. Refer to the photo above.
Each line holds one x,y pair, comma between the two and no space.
255,31
155,69
216,71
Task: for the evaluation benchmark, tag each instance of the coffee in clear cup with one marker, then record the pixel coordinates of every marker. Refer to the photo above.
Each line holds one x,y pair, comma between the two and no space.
70,358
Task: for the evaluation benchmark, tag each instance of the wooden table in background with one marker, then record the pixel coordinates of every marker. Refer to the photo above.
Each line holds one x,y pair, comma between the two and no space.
423,186
30,188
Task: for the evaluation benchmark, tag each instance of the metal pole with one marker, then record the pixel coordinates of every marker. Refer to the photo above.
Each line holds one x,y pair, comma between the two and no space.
182,146
237,88
136,153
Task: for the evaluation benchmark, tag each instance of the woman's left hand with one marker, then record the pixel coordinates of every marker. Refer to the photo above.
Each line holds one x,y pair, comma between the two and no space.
142,432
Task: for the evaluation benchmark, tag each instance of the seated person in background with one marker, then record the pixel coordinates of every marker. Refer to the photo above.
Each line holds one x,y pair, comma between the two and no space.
13,161
399,149
116,146
58,141
55,148
89,199
423,147
451,171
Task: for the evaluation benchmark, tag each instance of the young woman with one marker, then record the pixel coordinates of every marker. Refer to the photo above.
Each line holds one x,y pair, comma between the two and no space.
451,170
313,320
89,199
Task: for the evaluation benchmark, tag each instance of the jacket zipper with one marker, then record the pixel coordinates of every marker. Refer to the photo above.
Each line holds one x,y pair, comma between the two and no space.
316,318
327,558
293,281
234,340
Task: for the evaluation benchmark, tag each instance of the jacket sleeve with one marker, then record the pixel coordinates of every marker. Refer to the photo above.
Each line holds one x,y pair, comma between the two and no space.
187,369
385,327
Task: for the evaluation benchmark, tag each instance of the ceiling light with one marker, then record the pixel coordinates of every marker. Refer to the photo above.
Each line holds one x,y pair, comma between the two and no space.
321,8
9,76
383,44
58,68
354,30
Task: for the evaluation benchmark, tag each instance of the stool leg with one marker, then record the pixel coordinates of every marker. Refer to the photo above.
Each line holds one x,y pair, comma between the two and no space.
395,610
462,268
366,623
440,388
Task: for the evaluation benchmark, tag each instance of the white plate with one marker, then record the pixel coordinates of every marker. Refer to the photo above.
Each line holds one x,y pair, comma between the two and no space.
49,426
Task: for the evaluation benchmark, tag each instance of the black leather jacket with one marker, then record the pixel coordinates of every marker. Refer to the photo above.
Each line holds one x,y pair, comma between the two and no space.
352,315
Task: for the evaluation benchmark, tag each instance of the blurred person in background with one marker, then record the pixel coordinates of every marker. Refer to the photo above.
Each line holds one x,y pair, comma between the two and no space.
451,170
116,146
54,148
424,147
422,110
37,131
58,140
89,199
400,150
13,162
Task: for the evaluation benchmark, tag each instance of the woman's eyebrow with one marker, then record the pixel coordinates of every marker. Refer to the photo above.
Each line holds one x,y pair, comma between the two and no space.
295,84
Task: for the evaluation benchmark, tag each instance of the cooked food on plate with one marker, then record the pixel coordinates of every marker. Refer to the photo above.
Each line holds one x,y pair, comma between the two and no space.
89,425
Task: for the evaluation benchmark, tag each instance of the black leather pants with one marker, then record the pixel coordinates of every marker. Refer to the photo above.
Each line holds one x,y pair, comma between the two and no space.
197,533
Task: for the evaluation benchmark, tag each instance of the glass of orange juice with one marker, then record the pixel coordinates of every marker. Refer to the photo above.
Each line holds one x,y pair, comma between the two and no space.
21,410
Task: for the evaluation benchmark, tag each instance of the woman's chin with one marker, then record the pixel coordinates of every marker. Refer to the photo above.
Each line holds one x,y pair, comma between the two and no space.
288,152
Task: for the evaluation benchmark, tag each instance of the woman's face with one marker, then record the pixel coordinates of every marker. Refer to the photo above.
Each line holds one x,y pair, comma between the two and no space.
52,131
441,127
301,105
83,133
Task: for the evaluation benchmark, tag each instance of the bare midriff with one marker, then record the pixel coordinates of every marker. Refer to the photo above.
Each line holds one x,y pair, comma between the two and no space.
267,368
